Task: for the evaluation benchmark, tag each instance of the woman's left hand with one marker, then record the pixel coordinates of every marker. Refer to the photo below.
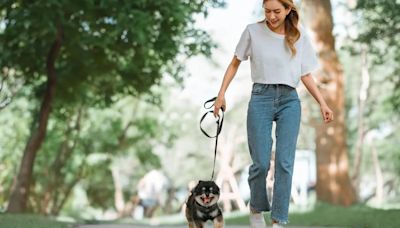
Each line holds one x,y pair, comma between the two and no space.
327,113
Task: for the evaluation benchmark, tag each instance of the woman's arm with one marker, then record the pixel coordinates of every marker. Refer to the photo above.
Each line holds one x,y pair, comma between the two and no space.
229,74
309,83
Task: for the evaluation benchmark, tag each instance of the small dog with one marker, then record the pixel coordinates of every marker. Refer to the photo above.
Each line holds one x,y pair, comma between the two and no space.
202,205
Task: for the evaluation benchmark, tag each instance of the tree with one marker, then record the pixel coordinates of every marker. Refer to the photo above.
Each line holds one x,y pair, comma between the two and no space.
92,53
380,33
376,41
333,182
8,88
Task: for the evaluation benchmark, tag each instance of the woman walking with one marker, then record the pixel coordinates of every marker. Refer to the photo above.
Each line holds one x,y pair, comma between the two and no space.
281,56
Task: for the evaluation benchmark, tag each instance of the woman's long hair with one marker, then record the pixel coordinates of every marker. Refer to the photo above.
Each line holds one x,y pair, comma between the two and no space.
292,33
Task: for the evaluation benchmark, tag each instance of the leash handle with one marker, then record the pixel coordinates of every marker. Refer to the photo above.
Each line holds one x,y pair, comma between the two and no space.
219,122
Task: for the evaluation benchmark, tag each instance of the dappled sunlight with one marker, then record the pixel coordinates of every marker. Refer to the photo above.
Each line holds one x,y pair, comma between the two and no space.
323,141
330,130
334,187
343,164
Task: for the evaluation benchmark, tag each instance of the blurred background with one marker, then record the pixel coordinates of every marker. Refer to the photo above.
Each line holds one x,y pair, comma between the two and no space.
100,103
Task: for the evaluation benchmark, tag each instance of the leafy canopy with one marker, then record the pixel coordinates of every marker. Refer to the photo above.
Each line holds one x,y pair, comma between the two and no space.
109,48
379,29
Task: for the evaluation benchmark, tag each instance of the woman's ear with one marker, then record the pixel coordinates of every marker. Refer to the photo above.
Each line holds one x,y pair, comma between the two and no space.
288,10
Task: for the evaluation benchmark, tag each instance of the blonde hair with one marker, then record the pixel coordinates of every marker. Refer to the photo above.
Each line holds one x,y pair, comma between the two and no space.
292,33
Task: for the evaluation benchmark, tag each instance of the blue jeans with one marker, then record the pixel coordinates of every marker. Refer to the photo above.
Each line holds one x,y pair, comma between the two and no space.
268,103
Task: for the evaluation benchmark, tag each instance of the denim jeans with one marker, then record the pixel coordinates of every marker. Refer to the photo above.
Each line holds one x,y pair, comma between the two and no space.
268,103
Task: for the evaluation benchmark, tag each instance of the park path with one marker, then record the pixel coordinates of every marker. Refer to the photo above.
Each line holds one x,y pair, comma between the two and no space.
178,226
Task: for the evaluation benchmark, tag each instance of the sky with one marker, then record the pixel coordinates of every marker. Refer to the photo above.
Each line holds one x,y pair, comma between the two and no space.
225,26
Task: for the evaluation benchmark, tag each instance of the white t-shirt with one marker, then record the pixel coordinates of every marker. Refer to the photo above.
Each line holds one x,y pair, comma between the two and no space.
271,59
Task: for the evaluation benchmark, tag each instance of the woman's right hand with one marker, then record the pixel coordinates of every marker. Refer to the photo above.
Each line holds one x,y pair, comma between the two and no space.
219,104
229,74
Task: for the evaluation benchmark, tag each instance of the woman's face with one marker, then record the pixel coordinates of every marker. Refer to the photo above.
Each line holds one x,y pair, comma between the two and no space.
275,13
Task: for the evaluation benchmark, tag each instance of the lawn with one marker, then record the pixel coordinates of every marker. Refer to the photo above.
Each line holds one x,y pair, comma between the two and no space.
328,215
358,216
31,221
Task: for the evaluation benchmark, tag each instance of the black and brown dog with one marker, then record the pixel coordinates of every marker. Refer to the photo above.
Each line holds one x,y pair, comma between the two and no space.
202,205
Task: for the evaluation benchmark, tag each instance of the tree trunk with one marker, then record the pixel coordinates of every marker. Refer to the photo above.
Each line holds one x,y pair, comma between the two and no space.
59,204
333,182
362,98
9,86
4,99
119,201
378,175
56,177
20,193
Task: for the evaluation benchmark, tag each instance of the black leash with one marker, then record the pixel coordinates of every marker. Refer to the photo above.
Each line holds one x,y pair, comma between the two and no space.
219,122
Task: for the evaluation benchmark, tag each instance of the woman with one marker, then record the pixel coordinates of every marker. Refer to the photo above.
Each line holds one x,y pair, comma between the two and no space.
280,56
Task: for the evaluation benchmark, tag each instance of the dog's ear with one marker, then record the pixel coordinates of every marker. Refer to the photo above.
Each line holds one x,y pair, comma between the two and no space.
216,186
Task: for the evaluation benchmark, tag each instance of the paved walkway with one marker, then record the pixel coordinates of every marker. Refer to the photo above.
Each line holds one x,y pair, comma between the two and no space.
180,226
145,226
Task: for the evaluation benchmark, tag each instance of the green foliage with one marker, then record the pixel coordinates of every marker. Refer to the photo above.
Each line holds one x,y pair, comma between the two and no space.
89,149
379,23
14,120
377,26
109,48
82,145
380,124
111,54
99,186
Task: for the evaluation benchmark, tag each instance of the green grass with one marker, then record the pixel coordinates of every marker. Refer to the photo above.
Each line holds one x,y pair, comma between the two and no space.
31,221
355,216
358,216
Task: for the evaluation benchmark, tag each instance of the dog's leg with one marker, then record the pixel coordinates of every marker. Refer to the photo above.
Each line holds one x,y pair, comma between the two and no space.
199,224
191,225
218,222
189,217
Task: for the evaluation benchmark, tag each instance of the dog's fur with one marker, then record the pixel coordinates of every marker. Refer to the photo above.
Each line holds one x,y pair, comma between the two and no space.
202,205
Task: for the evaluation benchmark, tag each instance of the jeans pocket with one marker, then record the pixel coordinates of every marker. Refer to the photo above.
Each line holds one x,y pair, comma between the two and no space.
257,88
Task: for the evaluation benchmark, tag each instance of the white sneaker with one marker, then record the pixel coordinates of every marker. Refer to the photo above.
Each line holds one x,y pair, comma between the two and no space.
257,220
277,225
